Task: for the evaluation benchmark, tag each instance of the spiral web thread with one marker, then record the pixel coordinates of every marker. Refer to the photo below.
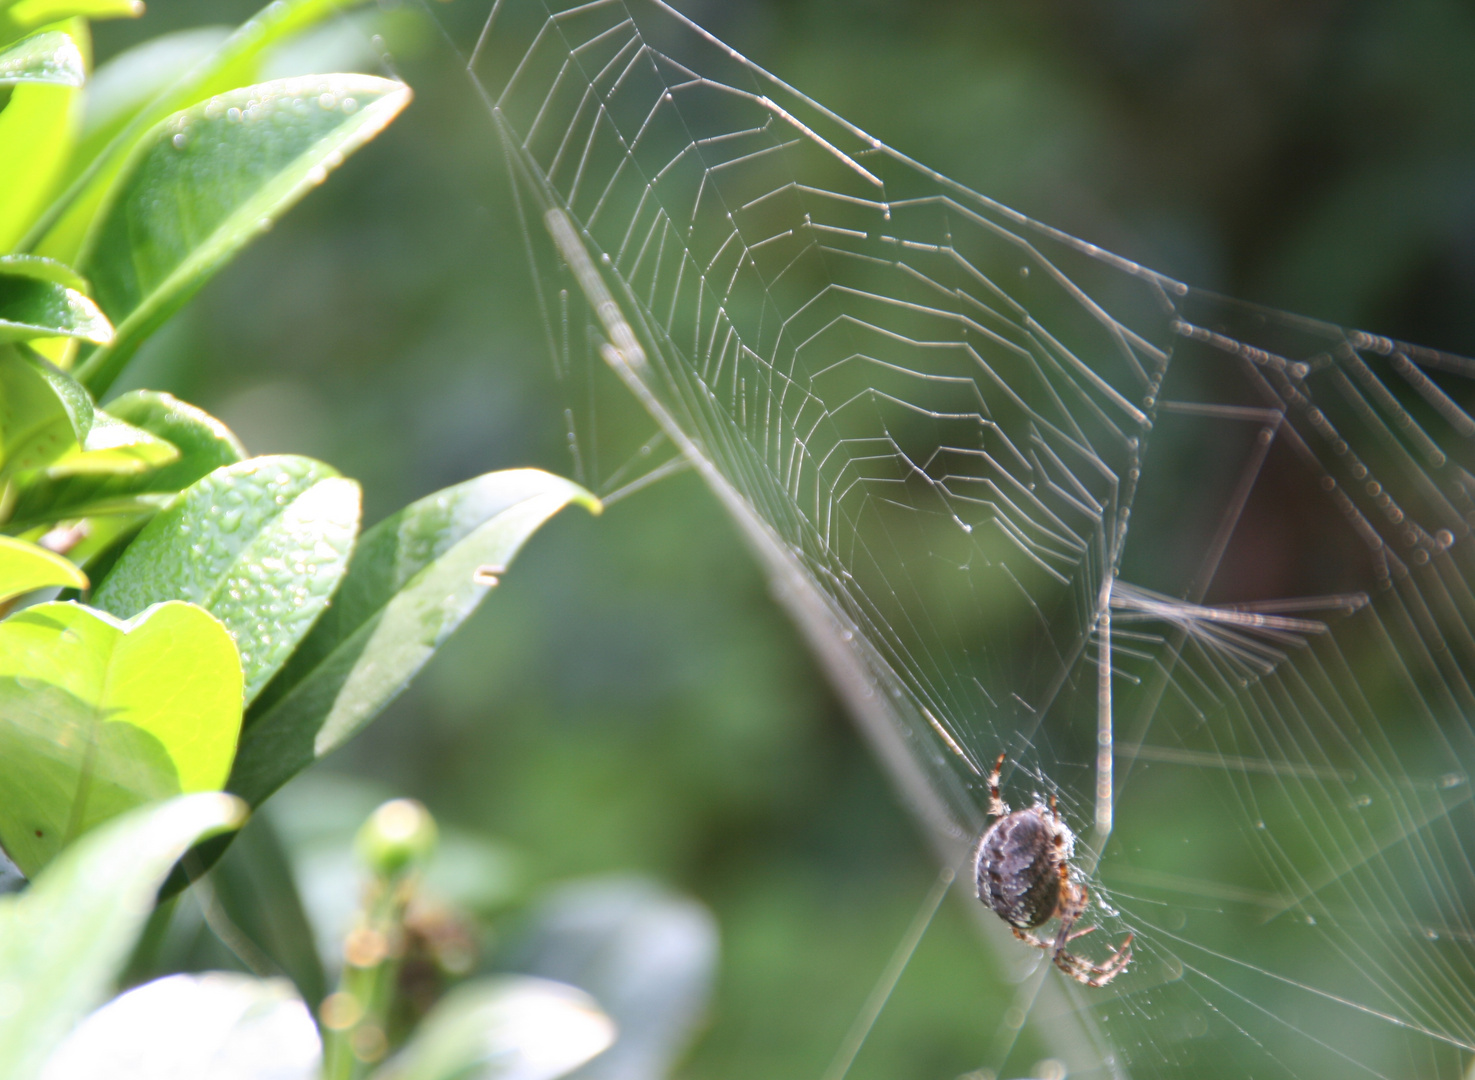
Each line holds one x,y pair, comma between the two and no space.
1200,568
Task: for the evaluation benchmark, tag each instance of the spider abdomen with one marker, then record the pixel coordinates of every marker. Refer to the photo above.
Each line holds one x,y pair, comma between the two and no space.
1018,867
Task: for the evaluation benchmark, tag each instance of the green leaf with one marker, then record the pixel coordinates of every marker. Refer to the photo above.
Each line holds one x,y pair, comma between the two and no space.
261,544
57,350
136,79
33,308
47,57
37,129
218,1025
202,442
43,269
64,939
99,715
658,996
414,578
211,179
512,1026
237,62
43,413
114,448
26,567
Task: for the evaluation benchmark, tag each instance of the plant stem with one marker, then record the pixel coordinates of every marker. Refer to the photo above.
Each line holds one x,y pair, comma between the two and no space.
354,1018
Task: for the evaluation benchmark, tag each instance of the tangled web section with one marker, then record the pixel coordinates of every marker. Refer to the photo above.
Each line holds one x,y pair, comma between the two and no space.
1203,570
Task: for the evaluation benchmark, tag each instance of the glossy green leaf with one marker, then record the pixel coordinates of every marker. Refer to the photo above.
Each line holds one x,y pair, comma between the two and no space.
26,567
208,181
202,443
220,1025
261,544
512,1027
43,413
43,269
136,79
234,63
99,715
114,448
33,308
64,939
37,129
48,57
414,578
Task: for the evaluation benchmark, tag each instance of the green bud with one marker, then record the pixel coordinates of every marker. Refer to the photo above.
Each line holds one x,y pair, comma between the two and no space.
398,837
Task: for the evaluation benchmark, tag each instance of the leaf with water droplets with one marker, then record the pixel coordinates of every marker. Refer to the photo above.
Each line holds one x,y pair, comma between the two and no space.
47,57
261,544
161,77
99,715
34,307
210,179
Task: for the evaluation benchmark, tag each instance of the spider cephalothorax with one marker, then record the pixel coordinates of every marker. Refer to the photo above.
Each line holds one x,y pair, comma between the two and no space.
1023,869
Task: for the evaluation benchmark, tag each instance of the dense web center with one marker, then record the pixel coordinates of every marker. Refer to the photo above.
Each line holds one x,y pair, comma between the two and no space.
1201,569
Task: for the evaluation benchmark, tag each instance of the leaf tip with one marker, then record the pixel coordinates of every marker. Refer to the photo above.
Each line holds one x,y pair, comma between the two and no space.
225,812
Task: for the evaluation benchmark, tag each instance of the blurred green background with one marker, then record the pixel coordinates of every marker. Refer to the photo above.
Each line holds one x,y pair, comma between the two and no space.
630,698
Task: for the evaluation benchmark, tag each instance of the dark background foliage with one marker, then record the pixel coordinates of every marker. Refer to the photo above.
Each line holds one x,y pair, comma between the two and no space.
631,699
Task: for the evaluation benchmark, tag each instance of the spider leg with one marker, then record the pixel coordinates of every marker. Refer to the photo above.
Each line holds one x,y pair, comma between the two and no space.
1078,968
1030,939
997,807
1095,975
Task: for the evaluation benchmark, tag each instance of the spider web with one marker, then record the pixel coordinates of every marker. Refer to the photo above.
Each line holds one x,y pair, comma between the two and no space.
1203,570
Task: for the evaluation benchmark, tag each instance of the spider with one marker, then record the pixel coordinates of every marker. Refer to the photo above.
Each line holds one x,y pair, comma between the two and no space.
1023,869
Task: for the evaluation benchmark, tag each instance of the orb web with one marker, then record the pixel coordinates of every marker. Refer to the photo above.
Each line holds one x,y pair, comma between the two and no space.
1202,569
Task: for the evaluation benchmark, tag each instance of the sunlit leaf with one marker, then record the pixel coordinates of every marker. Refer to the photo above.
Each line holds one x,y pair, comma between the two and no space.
63,940
513,1027
37,129
209,181
43,269
261,544
114,448
202,443
26,567
136,79
234,62
414,578
33,308
99,715
47,57
220,1025
43,413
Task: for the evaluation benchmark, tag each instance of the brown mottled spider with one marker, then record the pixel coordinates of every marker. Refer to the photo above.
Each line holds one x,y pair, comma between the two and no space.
1023,869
